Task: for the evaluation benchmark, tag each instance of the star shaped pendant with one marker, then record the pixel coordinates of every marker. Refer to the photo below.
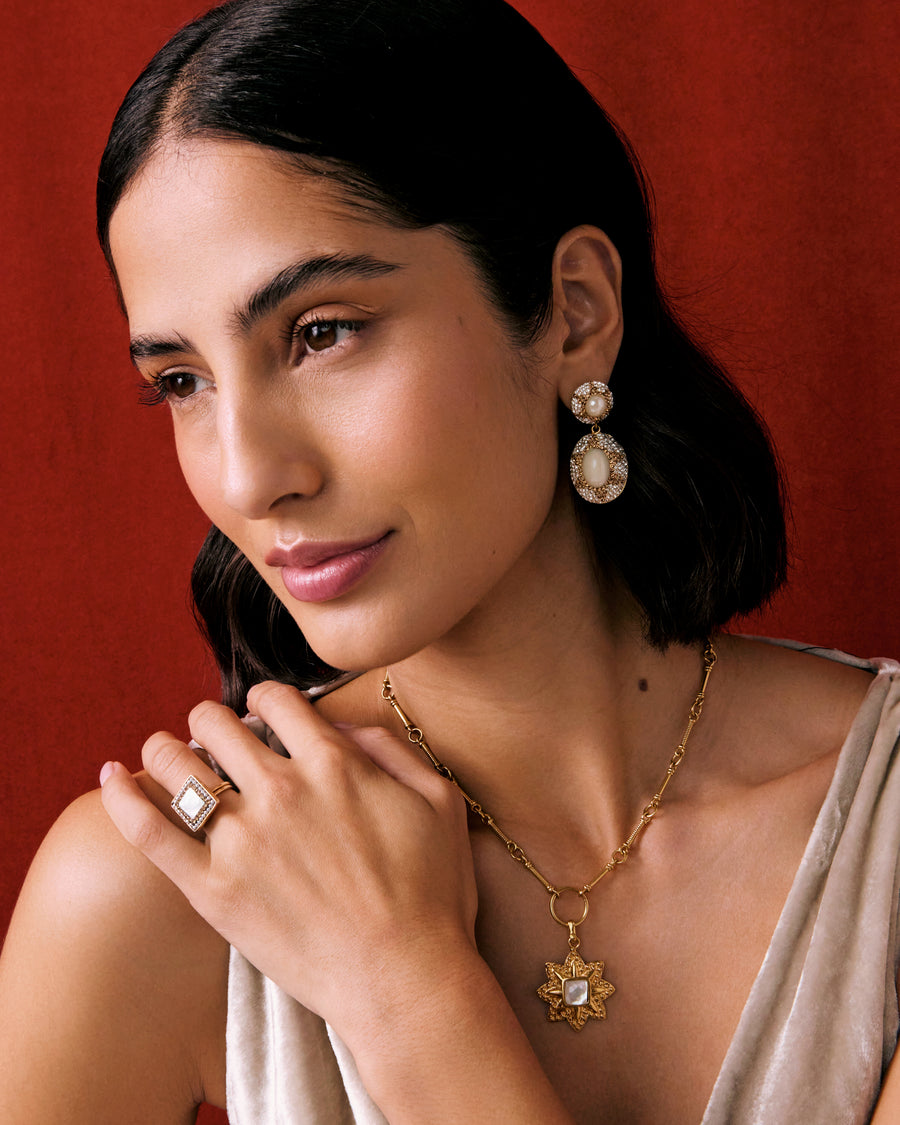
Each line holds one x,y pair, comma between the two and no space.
575,991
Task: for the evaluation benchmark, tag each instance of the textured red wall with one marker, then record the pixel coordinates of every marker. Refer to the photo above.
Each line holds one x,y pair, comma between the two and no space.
770,133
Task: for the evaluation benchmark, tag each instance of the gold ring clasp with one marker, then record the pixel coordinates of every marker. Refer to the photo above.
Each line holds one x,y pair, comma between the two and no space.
582,894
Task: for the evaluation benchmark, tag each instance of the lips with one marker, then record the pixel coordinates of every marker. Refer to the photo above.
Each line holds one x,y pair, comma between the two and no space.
320,571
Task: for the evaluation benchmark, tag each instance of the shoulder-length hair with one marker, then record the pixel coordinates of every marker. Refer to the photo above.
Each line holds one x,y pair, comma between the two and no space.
458,113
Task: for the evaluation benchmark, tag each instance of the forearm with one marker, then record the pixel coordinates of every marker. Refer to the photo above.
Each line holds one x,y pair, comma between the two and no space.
452,1050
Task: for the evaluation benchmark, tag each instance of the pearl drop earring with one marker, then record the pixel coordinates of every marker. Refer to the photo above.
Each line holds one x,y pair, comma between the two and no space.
598,466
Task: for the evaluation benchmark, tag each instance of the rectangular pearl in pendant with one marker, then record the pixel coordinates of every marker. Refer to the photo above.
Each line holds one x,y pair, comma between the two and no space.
576,992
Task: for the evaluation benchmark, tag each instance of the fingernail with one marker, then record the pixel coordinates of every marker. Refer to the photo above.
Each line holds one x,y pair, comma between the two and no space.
107,772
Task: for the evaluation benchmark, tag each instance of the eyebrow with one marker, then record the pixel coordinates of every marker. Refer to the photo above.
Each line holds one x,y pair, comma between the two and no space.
148,347
292,279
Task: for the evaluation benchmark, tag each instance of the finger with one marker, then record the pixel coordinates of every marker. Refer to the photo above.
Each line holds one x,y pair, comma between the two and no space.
174,765
401,760
306,734
160,796
179,857
230,741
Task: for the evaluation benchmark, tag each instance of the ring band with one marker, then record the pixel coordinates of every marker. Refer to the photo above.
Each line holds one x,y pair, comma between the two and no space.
195,804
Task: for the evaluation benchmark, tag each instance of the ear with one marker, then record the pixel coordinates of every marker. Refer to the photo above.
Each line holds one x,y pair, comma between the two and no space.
587,307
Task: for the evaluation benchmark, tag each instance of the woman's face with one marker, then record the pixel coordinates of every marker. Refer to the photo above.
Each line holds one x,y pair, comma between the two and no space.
347,408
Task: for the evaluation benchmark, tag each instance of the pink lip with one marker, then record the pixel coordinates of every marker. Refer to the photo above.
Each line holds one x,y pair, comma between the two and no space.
318,572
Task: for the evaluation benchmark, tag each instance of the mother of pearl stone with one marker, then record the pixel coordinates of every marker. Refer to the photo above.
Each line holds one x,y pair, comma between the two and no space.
576,992
595,406
595,467
190,802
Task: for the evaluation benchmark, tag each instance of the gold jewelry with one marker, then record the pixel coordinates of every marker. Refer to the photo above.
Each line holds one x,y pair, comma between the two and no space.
598,466
575,989
195,804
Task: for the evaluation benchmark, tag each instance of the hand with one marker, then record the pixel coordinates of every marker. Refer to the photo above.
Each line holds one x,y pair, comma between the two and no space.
343,873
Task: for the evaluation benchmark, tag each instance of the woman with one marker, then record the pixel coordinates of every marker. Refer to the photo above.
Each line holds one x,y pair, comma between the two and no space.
383,324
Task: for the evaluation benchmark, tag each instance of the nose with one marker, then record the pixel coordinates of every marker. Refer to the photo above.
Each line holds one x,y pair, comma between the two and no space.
265,455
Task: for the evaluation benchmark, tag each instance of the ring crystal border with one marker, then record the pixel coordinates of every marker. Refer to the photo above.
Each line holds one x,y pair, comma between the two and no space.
185,803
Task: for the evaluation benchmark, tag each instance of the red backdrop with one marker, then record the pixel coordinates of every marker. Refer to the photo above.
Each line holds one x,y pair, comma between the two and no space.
769,131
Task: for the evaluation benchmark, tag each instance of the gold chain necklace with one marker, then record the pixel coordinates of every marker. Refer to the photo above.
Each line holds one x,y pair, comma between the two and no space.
575,989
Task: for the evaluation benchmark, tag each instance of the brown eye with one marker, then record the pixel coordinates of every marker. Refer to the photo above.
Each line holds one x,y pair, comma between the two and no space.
321,335
180,384
172,386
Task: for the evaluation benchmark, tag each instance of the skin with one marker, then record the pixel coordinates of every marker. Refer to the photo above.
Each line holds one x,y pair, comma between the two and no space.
426,423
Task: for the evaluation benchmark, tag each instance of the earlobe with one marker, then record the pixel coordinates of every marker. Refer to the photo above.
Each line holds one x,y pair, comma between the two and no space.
587,285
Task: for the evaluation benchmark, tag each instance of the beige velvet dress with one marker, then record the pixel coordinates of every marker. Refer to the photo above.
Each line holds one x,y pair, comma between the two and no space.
819,1027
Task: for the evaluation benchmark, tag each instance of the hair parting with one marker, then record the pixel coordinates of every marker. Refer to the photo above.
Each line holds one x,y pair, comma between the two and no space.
504,149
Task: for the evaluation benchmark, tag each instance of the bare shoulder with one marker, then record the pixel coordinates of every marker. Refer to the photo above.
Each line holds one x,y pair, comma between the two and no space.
788,708
110,983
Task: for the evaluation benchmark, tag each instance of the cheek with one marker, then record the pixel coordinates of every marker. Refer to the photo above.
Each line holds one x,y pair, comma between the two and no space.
474,460
454,405
200,468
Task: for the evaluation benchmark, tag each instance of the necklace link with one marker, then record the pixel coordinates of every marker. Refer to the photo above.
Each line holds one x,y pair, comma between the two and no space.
585,904
620,855
576,990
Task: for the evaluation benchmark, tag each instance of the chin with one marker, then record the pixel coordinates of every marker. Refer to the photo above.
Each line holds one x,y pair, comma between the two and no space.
355,644
357,639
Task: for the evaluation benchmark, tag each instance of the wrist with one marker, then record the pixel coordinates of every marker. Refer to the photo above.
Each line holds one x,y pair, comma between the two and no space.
445,1044
410,991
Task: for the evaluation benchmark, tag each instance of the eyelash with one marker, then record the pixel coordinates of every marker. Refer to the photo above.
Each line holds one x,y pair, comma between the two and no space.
159,388
296,333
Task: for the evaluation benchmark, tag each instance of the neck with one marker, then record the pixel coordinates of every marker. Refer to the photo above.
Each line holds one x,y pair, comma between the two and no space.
552,711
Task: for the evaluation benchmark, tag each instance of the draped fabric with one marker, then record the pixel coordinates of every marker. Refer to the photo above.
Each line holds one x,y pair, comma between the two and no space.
818,1028
769,131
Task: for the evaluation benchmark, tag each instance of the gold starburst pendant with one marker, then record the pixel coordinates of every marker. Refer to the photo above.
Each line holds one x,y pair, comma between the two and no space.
576,990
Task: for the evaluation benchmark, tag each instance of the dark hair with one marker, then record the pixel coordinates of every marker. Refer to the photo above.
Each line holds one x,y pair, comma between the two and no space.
457,112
